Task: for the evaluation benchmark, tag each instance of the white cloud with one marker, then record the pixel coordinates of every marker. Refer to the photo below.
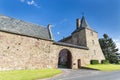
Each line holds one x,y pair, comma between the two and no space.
117,41
58,33
30,2
63,21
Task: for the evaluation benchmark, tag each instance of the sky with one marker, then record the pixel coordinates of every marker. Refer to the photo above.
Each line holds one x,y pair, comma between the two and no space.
103,16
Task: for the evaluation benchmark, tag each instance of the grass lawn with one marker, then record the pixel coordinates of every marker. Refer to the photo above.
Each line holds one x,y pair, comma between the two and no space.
105,67
28,74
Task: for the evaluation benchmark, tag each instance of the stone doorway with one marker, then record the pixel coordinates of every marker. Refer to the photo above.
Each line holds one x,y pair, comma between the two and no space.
65,59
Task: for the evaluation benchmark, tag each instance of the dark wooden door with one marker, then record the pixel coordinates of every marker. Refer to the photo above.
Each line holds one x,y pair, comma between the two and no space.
79,63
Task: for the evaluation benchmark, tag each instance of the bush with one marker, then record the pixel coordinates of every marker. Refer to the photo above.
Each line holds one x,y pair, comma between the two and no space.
118,62
94,62
105,61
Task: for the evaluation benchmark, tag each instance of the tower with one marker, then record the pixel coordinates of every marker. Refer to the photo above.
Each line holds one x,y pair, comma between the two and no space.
84,35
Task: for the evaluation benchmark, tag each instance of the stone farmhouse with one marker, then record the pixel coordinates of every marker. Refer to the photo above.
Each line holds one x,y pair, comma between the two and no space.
24,45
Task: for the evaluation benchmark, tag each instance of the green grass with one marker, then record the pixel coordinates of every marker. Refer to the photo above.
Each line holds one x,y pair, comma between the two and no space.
28,74
105,67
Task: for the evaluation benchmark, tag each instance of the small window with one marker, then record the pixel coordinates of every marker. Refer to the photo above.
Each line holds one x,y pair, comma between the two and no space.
93,42
91,33
8,47
19,43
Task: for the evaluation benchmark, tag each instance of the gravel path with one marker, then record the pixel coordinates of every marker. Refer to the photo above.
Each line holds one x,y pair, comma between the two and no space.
83,74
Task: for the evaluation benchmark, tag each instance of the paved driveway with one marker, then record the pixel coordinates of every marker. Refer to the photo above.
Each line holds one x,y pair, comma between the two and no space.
83,74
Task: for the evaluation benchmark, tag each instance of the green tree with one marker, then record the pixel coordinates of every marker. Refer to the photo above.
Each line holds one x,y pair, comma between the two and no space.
109,48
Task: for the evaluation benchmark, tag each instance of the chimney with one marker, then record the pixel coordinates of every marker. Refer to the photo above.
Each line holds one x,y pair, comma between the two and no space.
50,32
78,22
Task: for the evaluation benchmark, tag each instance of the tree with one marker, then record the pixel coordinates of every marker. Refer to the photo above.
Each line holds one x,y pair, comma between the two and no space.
109,48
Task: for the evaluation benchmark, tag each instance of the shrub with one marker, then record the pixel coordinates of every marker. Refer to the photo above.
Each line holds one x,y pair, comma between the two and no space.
94,62
105,61
118,61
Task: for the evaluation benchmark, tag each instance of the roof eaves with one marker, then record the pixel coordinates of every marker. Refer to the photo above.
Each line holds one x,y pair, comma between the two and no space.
26,35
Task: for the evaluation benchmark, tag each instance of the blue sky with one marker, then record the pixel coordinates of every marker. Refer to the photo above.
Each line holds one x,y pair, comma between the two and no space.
102,15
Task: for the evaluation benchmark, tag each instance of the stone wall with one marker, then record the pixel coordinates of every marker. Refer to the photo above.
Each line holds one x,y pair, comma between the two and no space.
94,46
76,54
21,52
89,38
79,38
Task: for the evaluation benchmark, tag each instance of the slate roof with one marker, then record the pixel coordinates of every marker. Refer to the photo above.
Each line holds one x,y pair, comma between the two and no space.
71,45
12,25
84,24
64,39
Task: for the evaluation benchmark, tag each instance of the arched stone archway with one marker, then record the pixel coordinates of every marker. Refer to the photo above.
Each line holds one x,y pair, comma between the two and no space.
65,59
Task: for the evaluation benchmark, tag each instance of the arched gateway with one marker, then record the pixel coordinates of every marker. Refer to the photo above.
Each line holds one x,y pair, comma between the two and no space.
65,59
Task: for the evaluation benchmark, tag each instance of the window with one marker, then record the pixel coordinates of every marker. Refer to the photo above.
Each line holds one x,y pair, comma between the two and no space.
91,33
93,42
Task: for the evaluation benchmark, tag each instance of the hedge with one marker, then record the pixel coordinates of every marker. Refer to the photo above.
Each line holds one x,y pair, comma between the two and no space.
94,62
105,61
